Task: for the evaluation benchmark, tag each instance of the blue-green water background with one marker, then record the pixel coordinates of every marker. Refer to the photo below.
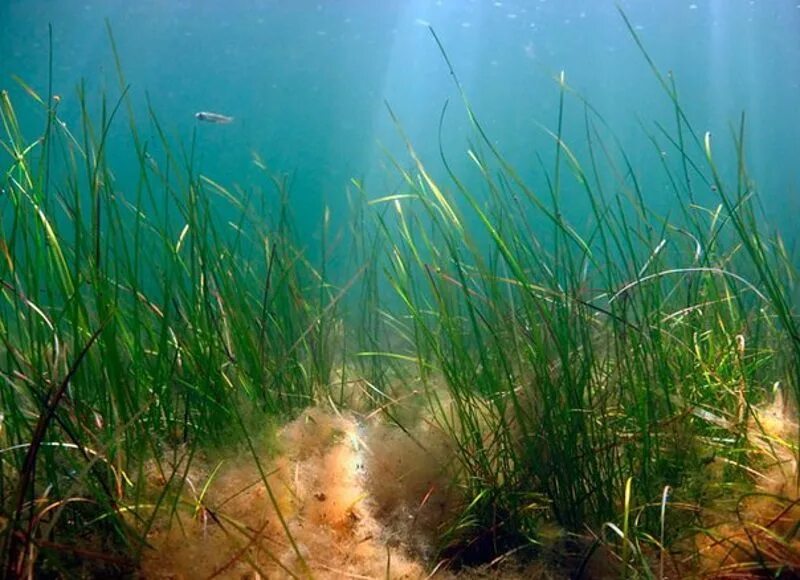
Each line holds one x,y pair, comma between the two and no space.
307,82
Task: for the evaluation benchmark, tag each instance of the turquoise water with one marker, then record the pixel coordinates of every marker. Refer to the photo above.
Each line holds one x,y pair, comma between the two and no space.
307,82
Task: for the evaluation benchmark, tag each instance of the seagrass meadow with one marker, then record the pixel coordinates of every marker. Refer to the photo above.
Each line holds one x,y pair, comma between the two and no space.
458,375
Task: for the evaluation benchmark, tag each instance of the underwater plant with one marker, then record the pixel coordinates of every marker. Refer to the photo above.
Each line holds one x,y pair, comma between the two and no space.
489,389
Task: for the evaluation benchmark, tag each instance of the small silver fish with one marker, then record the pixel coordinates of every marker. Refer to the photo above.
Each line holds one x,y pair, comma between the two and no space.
213,118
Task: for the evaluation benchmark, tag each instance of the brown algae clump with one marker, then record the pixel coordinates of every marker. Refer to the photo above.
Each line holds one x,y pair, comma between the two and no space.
356,500
763,534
